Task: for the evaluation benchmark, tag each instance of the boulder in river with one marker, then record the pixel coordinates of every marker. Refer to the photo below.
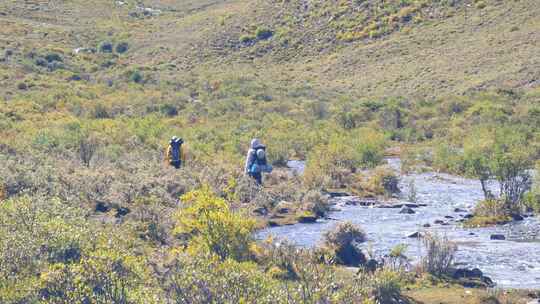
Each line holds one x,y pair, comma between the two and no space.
449,217
406,210
459,210
497,237
468,216
472,278
334,194
415,235
517,217
439,222
307,218
426,225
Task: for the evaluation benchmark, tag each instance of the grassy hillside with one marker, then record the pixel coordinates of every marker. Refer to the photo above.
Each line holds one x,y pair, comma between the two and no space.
91,91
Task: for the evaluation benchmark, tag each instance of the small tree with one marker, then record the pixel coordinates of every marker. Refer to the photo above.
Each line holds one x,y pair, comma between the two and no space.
87,149
504,155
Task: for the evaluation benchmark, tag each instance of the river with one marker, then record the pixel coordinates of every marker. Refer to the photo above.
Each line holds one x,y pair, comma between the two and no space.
511,263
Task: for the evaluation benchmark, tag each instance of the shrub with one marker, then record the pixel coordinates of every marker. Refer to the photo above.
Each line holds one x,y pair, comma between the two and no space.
342,242
168,110
87,148
136,76
215,228
246,39
382,181
440,253
263,33
52,57
503,154
122,47
41,62
205,279
316,202
385,286
105,47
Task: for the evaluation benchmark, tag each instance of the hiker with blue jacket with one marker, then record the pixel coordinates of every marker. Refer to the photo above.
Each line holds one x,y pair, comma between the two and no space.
175,154
256,162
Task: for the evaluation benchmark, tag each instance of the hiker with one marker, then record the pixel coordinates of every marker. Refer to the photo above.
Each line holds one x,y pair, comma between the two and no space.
175,153
256,162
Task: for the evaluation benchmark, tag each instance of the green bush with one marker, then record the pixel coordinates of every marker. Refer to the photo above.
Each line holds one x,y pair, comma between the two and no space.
263,33
122,47
343,240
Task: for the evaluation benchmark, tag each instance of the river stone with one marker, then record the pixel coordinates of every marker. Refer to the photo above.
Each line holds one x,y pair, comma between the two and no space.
307,219
406,210
440,222
371,265
449,217
467,273
497,237
415,235
517,217
426,225
334,194
468,216
459,210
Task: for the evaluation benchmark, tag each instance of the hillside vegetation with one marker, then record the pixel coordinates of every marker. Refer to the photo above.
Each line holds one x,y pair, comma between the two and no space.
91,93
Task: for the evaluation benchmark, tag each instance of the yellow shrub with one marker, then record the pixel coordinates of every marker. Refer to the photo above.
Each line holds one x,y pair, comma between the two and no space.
213,227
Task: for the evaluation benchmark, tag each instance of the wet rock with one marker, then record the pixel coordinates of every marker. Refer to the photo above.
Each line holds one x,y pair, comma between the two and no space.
368,203
458,210
415,235
410,205
449,217
406,210
467,273
350,255
472,233
517,217
273,224
439,222
307,219
468,216
334,194
426,225
497,237
388,206
371,265
472,278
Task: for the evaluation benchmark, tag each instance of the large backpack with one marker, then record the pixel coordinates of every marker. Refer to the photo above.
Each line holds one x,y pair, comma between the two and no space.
260,164
176,148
